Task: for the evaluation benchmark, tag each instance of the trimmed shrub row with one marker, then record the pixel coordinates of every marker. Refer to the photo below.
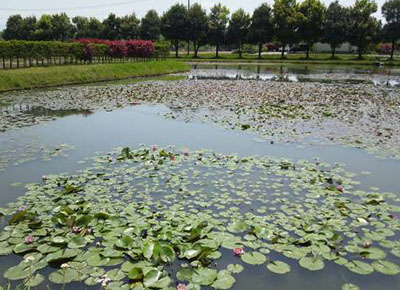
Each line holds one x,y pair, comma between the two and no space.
17,53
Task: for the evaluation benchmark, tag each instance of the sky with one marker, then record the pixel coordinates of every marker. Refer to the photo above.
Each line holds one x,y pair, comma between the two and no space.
101,8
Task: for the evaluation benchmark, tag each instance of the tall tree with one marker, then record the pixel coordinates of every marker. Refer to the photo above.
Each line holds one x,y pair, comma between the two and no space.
197,26
44,29
364,28
310,28
13,27
217,23
286,22
151,26
238,29
261,29
391,30
112,27
130,27
95,28
81,24
174,25
336,26
61,26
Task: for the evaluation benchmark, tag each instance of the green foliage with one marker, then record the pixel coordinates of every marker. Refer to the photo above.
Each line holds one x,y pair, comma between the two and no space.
391,30
336,25
151,26
238,29
286,22
197,26
174,25
218,20
311,22
261,28
364,28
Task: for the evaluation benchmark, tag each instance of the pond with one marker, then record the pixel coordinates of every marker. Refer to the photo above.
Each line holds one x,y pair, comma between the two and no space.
214,184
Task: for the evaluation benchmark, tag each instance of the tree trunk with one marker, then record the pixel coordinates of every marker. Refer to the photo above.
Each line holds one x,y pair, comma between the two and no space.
359,52
283,50
240,50
259,50
176,48
196,48
392,51
333,51
217,51
308,50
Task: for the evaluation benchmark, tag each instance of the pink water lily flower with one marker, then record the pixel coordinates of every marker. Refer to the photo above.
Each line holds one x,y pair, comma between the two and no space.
186,153
154,147
238,251
21,208
44,177
75,230
340,188
172,157
28,240
181,286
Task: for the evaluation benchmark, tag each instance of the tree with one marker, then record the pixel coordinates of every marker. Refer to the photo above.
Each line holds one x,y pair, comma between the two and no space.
81,26
61,27
13,27
286,22
44,29
174,25
197,26
364,28
112,27
391,30
95,28
310,28
239,28
336,26
151,26
130,27
217,23
261,28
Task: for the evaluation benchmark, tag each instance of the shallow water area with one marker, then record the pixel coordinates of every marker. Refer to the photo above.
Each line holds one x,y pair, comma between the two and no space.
84,134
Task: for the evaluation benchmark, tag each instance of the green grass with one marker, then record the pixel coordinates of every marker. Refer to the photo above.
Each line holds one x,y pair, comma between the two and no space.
30,78
320,58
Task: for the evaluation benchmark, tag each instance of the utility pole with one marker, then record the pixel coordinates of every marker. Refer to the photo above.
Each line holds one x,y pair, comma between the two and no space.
188,44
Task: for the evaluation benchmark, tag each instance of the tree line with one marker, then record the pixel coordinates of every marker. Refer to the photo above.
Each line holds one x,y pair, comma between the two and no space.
285,23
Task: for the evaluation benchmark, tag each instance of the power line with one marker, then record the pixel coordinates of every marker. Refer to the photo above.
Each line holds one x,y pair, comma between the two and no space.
73,8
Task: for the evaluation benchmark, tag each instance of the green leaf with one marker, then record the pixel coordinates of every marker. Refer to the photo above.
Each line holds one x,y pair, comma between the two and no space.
359,267
311,263
64,276
254,258
278,267
237,227
135,274
204,276
34,281
235,268
349,286
224,281
386,267
77,242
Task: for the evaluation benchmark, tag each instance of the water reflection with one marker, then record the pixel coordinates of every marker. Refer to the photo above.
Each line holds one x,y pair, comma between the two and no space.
297,73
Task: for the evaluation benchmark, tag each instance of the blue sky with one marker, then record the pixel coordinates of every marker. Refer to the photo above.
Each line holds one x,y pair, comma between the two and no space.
101,8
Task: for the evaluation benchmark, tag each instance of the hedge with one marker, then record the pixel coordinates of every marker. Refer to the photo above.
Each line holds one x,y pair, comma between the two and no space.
41,53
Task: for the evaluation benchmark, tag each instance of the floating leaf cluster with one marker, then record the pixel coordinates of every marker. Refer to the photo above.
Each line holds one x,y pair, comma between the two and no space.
150,218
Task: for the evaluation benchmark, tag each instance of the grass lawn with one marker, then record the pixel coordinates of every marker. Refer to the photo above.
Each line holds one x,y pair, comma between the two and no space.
42,77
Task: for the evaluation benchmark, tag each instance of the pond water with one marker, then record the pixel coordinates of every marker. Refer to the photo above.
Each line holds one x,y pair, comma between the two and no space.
65,145
379,76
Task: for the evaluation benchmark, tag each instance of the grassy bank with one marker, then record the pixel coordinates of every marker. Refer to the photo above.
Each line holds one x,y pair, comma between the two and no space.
322,58
79,74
